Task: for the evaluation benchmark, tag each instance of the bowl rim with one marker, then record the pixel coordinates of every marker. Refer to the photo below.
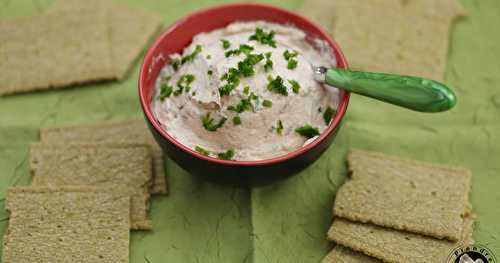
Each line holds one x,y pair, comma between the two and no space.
146,107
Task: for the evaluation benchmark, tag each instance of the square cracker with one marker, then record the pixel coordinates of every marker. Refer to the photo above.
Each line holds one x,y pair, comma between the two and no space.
127,131
126,169
340,254
406,195
408,37
53,51
396,246
131,29
66,224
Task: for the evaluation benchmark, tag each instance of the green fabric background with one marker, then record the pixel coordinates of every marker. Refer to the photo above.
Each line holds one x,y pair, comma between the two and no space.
285,222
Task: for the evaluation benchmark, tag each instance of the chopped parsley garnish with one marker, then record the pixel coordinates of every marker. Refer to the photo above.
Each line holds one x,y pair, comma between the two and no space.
269,63
290,57
202,151
209,123
246,90
243,105
165,91
307,131
228,155
184,83
245,49
279,129
328,114
267,103
210,72
263,37
225,44
276,85
295,86
236,120
191,56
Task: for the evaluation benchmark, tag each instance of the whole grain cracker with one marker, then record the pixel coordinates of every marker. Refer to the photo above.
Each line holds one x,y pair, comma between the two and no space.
396,246
408,37
126,131
340,254
66,224
53,51
126,169
405,195
131,29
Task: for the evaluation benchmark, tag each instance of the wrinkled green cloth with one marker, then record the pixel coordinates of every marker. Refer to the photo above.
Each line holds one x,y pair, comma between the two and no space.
287,221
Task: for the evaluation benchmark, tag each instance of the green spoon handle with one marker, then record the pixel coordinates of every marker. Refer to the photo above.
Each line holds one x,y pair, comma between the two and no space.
414,93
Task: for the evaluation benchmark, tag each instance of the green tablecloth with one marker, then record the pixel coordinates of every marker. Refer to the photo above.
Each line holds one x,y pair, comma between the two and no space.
285,222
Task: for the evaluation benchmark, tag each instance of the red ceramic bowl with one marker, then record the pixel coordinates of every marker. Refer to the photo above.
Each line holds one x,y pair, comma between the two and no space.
244,173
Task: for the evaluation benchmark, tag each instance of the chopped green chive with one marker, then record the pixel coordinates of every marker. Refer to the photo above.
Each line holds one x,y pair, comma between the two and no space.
193,93
191,56
320,109
276,85
279,129
202,151
243,105
292,63
209,123
165,91
267,103
307,131
225,44
209,56
236,120
228,155
184,83
246,90
290,57
245,49
210,72
176,62
263,37
328,114
269,63
245,69
295,86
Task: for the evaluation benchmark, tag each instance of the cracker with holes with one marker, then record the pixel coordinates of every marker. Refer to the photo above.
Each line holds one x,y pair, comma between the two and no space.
391,245
408,37
124,168
406,195
54,51
66,224
125,131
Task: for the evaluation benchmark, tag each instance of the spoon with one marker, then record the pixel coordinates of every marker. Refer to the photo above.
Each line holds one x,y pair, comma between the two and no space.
415,93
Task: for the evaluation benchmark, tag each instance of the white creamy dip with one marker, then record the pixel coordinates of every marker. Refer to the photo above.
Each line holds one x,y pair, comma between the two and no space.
258,134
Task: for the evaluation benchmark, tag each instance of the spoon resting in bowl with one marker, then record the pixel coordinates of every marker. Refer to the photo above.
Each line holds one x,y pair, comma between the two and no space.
415,93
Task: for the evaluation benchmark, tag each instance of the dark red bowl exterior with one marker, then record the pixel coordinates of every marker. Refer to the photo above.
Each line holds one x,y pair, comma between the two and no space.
242,173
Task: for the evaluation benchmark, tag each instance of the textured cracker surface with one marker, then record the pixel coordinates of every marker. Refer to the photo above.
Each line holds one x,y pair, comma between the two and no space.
128,131
68,224
403,194
341,254
53,51
393,245
366,32
131,29
124,169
